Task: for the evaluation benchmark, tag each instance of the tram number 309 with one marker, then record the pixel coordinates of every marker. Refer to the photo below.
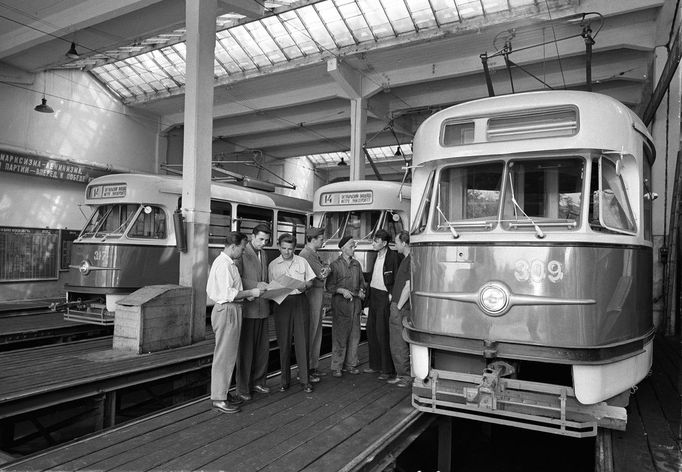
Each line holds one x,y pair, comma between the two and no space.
537,271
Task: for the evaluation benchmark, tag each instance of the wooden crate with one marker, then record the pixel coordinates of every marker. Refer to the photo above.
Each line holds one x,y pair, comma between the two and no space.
153,318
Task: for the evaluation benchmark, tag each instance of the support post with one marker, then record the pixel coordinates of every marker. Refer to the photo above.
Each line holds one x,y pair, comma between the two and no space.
197,155
358,122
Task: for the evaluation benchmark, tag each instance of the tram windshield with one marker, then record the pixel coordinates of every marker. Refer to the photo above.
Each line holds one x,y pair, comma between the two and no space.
537,192
110,220
358,224
544,192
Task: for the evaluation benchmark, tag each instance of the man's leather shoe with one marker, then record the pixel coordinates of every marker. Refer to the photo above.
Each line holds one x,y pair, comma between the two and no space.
234,399
317,373
245,396
225,407
369,370
336,373
308,388
384,377
284,387
353,371
261,389
313,378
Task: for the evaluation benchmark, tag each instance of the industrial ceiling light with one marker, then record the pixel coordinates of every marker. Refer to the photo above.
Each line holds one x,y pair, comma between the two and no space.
398,152
72,53
342,163
44,107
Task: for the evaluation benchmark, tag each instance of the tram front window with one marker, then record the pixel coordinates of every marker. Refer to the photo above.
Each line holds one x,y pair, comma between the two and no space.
359,224
543,192
110,220
468,197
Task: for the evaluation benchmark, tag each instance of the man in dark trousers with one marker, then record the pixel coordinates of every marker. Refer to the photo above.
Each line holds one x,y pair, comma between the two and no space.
380,287
400,310
254,345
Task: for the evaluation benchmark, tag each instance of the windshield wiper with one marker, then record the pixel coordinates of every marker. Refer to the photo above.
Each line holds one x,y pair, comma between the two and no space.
538,232
450,225
335,232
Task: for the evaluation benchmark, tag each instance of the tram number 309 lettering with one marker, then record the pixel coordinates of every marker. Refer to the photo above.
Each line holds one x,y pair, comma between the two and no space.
537,271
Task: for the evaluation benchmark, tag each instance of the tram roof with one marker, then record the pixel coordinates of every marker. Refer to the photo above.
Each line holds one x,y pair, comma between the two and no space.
143,186
601,120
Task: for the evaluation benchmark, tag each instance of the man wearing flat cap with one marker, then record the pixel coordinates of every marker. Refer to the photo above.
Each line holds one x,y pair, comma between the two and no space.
346,285
314,239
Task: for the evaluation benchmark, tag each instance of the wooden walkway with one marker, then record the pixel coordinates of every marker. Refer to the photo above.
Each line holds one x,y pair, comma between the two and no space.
653,439
39,377
352,423
21,329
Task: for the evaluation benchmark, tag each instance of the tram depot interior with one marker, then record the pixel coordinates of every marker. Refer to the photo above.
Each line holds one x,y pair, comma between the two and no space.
304,93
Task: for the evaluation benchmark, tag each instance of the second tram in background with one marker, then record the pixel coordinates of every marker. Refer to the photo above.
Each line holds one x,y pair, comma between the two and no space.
532,261
131,240
359,209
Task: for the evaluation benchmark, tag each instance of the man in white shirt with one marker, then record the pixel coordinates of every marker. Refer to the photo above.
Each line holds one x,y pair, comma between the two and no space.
292,315
224,287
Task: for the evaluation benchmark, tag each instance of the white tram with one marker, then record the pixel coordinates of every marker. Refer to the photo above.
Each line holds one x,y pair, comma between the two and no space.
532,261
131,241
358,209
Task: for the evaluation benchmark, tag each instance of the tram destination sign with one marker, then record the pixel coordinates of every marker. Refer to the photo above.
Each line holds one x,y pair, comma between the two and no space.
361,197
40,166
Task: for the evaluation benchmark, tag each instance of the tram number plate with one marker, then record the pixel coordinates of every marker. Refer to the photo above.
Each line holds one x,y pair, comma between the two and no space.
363,197
107,191
537,270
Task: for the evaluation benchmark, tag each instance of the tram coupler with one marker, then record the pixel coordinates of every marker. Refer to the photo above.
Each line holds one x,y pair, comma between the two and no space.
54,306
484,394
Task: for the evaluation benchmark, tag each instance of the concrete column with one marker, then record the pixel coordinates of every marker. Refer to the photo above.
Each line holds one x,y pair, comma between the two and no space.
351,83
358,123
197,152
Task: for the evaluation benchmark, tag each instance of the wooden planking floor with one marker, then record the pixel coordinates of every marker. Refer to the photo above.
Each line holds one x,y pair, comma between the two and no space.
30,372
280,431
27,323
652,440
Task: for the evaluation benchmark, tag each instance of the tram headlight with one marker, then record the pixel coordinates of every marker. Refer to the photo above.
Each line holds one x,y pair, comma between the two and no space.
84,267
493,299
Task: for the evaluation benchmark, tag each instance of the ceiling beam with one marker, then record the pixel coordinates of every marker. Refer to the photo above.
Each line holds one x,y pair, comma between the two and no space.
31,32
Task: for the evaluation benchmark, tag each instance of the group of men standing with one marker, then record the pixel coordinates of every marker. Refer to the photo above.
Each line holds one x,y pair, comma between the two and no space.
238,279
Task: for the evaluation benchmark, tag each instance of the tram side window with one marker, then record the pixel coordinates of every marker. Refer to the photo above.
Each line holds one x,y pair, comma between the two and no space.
422,216
547,191
648,203
249,217
468,193
149,224
609,204
221,220
109,220
293,223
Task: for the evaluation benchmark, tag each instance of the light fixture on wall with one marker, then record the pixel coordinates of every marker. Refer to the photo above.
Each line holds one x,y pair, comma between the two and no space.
72,53
43,107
